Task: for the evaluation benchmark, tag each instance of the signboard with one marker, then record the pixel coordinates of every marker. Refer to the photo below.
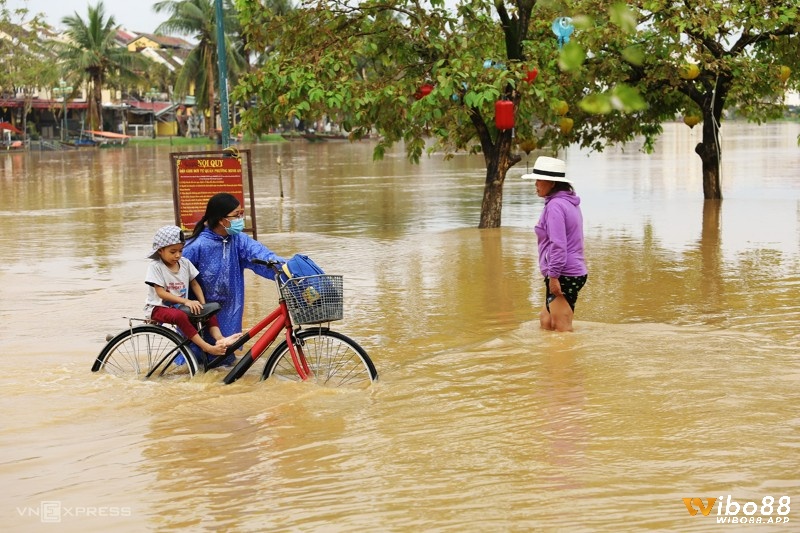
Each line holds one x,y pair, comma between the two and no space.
197,176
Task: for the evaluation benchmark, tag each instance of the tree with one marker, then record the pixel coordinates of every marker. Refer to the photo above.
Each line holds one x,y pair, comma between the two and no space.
91,55
695,58
25,61
197,18
371,65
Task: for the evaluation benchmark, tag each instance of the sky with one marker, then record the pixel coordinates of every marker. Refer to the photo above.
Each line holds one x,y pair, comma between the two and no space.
134,15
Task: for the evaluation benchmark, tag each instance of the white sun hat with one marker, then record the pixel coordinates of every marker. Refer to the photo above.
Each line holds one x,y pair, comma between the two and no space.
548,168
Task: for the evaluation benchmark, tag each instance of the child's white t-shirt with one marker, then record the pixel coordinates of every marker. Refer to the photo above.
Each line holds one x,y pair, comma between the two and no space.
176,283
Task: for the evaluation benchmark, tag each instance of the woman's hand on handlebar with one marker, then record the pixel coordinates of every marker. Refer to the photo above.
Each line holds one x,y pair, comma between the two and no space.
271,263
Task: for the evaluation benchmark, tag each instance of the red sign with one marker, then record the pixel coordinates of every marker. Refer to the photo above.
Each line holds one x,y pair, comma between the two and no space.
201,178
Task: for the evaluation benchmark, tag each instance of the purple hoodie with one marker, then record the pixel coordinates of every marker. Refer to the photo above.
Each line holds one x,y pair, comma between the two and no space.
560,233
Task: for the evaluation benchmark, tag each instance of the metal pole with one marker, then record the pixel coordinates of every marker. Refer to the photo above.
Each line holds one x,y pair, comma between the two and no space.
64,117
223,76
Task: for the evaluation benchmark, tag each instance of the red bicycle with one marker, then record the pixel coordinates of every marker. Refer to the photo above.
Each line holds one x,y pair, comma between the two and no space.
315,353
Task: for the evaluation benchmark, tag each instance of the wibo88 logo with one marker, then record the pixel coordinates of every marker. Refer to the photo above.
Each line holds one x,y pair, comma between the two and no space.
753,513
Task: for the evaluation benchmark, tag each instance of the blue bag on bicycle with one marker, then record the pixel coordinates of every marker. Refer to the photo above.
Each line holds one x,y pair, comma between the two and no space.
311,295
301,266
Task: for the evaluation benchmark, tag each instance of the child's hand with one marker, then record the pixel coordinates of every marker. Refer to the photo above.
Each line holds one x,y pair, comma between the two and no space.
194,306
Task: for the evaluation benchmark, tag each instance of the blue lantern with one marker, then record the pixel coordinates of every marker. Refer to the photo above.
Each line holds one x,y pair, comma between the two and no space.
563,28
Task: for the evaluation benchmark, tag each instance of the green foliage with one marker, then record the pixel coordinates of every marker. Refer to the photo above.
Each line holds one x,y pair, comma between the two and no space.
25,61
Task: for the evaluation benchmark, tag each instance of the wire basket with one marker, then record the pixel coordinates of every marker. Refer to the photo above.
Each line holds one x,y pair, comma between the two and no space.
314,299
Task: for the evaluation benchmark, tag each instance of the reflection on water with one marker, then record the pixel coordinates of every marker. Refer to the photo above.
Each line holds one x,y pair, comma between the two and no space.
680,381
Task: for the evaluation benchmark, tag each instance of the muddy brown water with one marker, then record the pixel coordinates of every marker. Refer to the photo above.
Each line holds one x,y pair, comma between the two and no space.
680,381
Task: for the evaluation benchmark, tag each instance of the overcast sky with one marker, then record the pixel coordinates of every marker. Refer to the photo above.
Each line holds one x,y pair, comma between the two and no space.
134,15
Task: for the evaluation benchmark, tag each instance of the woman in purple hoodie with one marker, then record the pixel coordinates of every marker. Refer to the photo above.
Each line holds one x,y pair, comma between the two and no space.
560,235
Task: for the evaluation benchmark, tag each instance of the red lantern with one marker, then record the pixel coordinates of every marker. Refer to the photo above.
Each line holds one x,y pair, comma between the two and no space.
532,75
423,91
504,114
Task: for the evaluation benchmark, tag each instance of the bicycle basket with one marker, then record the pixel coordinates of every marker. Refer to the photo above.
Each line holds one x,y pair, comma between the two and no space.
314,299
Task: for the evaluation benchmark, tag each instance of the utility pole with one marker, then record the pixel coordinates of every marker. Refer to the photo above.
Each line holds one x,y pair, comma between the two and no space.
223,76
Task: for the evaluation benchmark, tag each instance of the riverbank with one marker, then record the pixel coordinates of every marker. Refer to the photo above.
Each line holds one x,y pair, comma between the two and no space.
199,141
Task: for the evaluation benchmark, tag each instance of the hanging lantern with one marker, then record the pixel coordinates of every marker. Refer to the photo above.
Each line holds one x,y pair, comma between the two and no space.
563,28
423,91
689,71
504,114
691,120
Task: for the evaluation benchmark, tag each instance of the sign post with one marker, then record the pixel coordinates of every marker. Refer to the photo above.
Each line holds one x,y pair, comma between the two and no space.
197,176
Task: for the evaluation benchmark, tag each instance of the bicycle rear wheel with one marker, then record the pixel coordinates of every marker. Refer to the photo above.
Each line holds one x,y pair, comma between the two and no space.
335,360
140,350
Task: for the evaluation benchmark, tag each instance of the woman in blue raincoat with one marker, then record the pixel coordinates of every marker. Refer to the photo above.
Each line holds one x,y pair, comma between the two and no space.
221,251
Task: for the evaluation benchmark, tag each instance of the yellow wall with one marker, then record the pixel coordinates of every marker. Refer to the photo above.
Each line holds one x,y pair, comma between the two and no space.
142,42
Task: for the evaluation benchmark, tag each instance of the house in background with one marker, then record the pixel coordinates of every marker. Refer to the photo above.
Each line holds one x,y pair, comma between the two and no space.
159,113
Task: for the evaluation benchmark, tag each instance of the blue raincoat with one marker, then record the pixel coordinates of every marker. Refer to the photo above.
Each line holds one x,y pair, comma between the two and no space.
221,262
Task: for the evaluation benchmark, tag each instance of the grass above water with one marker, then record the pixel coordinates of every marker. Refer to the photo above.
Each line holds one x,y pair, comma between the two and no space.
199,141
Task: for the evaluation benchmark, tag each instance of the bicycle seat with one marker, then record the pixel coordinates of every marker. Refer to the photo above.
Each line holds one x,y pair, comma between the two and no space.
210,309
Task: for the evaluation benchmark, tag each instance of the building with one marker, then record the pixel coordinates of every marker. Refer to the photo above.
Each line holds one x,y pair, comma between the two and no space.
58,112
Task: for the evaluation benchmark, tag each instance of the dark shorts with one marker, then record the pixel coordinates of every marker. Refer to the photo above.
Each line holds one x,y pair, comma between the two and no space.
570,285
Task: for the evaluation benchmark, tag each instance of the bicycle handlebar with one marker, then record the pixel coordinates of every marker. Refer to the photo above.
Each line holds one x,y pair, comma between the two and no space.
274,265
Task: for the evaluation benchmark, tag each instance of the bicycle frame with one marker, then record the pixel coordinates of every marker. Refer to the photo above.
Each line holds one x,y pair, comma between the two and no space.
279,319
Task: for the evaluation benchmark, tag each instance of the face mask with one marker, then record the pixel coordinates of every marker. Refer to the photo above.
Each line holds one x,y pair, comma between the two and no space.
236,227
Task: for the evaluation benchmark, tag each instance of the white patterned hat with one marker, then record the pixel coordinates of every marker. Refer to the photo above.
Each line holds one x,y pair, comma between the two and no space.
166,236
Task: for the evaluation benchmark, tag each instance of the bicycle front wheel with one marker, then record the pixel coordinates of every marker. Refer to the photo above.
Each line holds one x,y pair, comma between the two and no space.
147,351
335,360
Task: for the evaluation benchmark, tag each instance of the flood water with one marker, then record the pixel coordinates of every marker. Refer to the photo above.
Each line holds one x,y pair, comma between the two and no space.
680,381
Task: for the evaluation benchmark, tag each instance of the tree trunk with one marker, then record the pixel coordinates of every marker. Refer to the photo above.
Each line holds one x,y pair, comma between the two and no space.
492,206
497,164
710,154
96,106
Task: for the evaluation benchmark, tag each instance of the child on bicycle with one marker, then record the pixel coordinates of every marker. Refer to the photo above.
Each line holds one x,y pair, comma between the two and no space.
169,278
